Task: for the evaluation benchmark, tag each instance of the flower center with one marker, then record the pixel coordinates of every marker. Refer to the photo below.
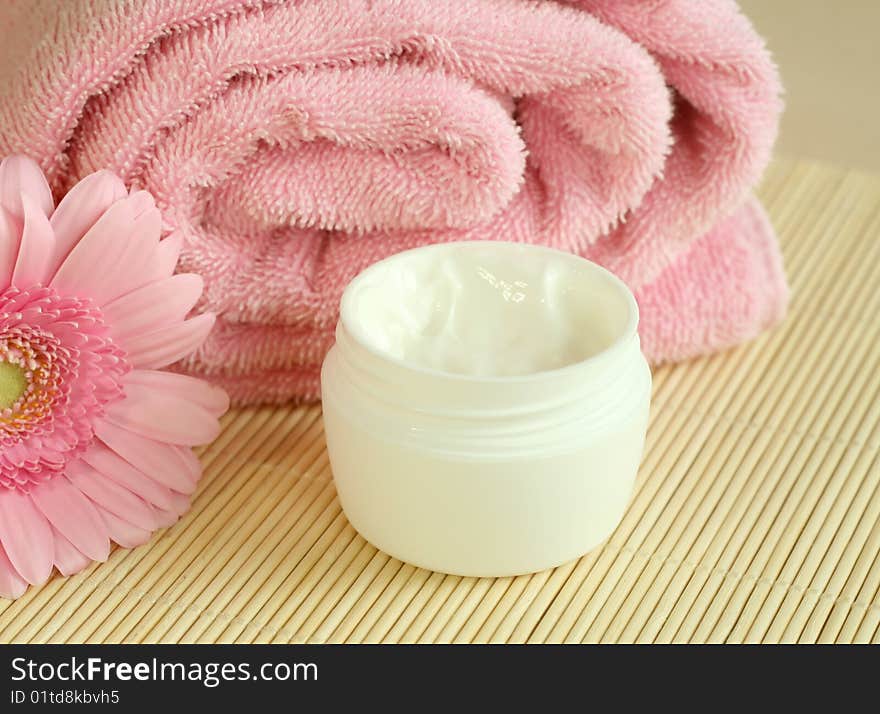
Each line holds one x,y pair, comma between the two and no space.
13,384
58,372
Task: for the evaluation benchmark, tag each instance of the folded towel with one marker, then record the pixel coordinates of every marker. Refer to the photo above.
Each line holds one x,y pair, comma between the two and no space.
294,143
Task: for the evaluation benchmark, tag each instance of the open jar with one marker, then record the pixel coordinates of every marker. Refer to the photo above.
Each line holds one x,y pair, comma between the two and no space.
485,406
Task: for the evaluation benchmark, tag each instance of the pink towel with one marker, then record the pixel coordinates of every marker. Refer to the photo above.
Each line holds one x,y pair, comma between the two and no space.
294,143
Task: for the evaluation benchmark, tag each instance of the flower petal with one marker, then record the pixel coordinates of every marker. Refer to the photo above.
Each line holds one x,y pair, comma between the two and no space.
74,516
159,461
128,273
36,249
123,532
78,211
181,504
96,256
10,239
118,470
68,559
110,496
166,517
198,391
12,585
141,202
166,256
191,462
163,416
26,536
21,175
162,347
152,306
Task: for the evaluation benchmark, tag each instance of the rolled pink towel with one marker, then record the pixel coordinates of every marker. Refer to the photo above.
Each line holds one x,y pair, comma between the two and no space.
294,143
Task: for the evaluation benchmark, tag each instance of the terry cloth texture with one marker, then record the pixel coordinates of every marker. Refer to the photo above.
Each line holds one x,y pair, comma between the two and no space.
295,143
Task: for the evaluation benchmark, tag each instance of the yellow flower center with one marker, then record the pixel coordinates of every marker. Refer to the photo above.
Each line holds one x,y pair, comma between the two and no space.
13,384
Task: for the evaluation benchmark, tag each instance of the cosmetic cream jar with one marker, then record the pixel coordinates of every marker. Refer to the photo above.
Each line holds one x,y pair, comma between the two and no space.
485,406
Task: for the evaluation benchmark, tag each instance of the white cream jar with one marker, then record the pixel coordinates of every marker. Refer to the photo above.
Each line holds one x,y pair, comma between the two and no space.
485,406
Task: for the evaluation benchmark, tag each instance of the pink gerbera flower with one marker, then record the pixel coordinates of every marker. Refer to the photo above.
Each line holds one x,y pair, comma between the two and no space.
94,438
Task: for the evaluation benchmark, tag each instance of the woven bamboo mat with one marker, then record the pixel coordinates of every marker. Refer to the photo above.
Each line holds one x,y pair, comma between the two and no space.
755,516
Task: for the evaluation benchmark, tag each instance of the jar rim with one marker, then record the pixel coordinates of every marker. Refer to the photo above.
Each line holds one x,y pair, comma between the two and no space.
608,352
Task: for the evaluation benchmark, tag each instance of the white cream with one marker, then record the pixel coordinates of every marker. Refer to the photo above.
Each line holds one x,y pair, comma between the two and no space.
473,309
458,467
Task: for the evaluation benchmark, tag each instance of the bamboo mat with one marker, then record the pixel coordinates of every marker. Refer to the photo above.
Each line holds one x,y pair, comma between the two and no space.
755,517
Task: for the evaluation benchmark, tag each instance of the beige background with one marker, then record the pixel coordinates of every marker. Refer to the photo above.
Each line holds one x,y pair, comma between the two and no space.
829,54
